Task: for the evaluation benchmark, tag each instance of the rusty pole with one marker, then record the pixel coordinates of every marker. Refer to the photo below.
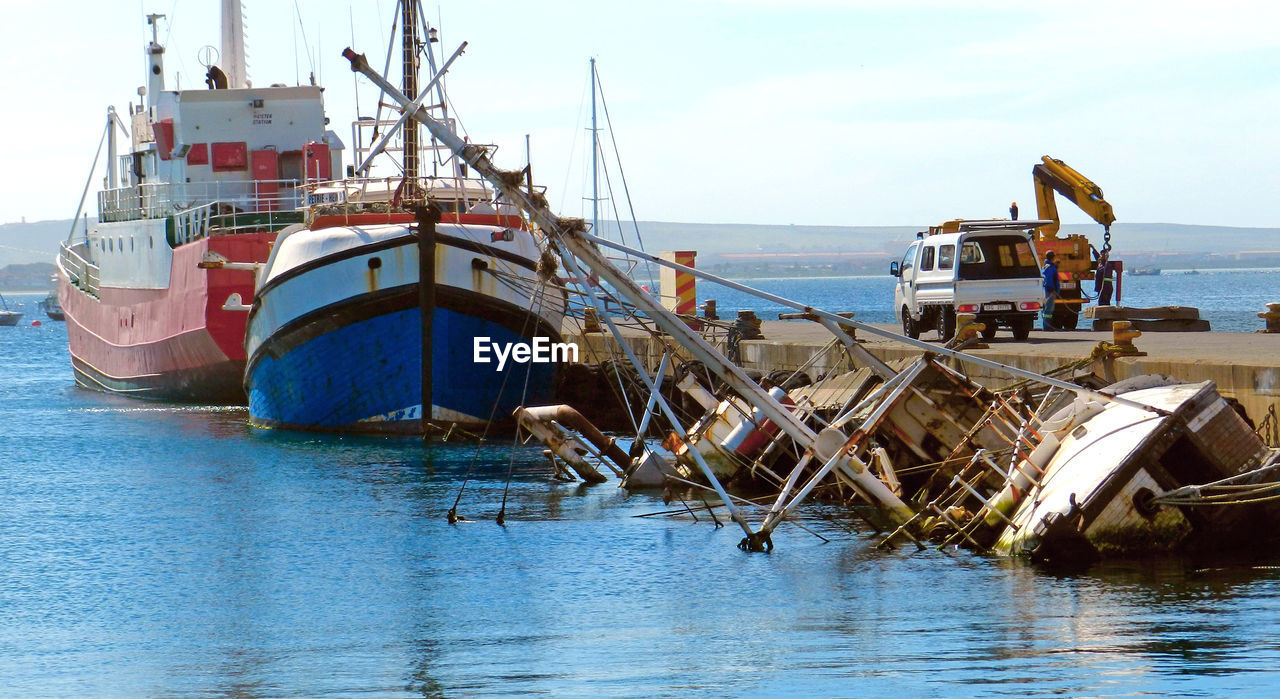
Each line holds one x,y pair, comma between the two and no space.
428,216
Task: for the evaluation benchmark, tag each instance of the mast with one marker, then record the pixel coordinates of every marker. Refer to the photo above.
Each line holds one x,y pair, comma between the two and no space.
233,61
595,151
409,51
113,179
155,62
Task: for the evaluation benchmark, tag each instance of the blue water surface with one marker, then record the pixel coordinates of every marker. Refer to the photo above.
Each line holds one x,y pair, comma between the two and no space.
158,550
1229,299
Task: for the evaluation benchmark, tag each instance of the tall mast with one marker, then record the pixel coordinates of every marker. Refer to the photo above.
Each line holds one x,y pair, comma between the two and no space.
155,62
595,149
409,50
233,62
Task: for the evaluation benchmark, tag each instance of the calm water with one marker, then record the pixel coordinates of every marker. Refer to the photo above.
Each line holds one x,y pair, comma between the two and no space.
1229,299
160,550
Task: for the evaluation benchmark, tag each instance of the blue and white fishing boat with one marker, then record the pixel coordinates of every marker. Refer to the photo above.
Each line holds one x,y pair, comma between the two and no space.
335,338
335,333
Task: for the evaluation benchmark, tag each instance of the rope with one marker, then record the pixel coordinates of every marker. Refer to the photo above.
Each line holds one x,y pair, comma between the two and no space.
524,397
452,515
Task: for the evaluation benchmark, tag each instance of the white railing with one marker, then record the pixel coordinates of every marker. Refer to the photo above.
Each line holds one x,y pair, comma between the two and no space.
192,224
149,200
82,273
453,194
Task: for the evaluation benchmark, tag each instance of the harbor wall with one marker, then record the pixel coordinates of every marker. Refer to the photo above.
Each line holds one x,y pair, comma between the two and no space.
1252,378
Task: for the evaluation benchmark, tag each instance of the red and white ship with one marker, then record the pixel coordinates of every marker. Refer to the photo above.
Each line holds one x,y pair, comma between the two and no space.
156,293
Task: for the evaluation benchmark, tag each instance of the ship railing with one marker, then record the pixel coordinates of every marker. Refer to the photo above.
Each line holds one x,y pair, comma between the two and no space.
82,273
228,197
452,194
192,224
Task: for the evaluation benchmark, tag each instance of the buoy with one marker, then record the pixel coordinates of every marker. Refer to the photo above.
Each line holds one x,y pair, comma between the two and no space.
35,323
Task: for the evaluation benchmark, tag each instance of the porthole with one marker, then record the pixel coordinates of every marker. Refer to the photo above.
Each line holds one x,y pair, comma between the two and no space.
375,262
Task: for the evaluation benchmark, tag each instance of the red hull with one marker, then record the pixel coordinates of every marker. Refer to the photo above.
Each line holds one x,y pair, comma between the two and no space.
174,344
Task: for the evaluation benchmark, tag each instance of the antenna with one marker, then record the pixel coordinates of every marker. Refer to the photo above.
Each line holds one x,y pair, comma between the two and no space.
153,20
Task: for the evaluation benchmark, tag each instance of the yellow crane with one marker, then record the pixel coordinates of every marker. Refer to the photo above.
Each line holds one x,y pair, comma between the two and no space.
1077,259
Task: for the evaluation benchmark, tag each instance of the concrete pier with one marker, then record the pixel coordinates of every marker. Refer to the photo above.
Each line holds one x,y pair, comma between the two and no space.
1244,366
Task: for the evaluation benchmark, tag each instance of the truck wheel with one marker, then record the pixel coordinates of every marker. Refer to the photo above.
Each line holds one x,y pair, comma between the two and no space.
909,327
946,324
989,331
1022,327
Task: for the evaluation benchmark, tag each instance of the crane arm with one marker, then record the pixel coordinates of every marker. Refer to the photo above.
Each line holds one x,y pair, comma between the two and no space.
1053,175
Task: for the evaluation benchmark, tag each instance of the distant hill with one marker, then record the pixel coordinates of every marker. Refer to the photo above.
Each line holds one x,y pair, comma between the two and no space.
33,276
32,242
1125,237
38,241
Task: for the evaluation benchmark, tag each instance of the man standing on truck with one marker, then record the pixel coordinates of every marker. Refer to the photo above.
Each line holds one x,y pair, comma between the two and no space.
1052,288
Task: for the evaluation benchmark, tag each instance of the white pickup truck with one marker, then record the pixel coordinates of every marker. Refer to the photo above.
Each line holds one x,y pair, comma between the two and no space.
987,268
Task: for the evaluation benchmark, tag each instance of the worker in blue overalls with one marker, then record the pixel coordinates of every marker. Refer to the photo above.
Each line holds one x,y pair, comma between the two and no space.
1052,288
1104,279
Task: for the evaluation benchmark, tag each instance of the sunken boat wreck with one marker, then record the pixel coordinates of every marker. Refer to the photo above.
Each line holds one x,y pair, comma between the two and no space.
1061,468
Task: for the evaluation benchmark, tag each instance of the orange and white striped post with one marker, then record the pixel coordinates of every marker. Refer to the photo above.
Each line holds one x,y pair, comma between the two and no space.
679,289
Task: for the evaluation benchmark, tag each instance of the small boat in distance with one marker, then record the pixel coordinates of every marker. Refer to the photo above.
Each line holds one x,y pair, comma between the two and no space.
8,317
1145,272
51,307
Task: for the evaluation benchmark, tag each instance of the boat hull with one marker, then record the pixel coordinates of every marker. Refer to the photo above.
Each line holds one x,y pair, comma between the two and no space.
357,367
335,339
173,344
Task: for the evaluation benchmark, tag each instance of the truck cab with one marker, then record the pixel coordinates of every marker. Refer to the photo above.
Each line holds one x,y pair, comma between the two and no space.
985,268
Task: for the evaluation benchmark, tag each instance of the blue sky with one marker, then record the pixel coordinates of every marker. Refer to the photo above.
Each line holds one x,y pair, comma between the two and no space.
741,111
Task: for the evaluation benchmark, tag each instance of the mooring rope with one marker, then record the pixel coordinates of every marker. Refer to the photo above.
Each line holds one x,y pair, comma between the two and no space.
452,515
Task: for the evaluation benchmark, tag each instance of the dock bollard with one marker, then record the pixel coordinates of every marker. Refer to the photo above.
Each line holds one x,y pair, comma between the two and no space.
1123,334
967,329
590,322
748,325
1272,316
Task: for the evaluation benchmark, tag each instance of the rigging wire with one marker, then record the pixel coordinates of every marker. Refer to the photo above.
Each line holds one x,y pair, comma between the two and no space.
355,82
626,191
453,511
573,148
515,442
305,44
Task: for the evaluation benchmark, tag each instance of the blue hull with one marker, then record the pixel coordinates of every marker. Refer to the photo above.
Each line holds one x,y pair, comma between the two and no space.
360,371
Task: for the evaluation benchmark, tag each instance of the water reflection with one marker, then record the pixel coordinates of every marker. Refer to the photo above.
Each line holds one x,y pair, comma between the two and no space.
174,550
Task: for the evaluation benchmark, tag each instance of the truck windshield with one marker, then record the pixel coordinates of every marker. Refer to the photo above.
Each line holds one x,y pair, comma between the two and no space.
997,257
